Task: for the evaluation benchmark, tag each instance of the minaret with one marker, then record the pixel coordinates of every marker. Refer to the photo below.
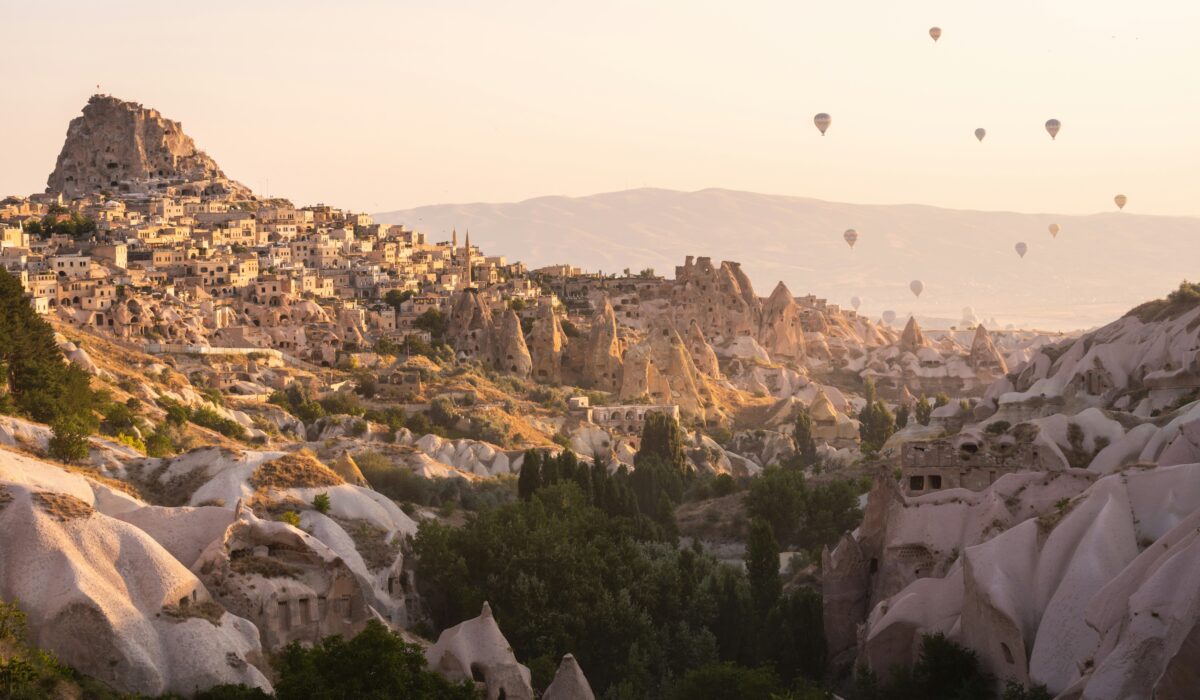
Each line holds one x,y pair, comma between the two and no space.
454,243
468,258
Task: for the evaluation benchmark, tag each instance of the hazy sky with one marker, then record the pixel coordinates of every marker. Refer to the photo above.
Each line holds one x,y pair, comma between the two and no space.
384,105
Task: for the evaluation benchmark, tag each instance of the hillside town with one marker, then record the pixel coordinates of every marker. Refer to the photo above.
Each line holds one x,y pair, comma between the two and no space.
163,252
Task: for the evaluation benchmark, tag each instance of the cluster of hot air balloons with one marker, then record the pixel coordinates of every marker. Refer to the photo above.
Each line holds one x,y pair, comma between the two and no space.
822,121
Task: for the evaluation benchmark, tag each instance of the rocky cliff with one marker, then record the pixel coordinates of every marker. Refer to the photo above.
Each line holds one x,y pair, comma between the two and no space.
118,145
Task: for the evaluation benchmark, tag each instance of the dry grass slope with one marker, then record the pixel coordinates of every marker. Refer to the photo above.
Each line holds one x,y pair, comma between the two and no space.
297,470
204,610
248,564
62,506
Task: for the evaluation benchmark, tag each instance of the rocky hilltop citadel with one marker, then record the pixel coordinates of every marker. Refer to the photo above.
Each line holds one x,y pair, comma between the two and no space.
118,146
292,394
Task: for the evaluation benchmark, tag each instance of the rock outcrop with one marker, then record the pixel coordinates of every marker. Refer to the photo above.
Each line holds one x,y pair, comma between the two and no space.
104,596
509,352
984,355
290,584
782,330
469,327
1087,587
602,356
661,370
720,299
569,682
912,339
476,650
703,355
117,144
546,344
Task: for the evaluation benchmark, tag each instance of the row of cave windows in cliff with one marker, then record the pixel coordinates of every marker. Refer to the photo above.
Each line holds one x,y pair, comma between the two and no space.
305,612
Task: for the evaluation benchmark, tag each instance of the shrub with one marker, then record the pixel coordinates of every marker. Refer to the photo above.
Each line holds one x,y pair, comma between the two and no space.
321,503
998,427
342,402
723,485
132,441
290,517
442,413
69,442
208,418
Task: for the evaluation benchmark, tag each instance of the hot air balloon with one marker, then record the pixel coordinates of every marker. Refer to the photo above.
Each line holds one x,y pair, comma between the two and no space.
855,302
822,121
851,236
980,133
889,316
1021,249
916,287
1120,200
1054,229
1052,127
935,33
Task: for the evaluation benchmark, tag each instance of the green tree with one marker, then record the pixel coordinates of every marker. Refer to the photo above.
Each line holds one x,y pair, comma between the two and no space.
876,422
762,567
41,384
924,411
375,665
563,575
806,446
530,478
443,413
433,321
395,298
69,439
795,630
803,515
778,496
723,681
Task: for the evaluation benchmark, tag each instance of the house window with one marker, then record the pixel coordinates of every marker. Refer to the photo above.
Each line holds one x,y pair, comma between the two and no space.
935,481
916,483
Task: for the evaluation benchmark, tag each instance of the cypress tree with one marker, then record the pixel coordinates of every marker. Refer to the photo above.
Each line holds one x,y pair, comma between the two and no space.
762,568
806,446
530,478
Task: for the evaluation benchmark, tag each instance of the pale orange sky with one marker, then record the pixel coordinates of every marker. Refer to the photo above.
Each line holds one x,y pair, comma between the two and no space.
384,105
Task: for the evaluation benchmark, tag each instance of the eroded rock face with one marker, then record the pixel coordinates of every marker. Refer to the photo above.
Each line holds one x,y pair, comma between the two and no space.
720,299
984,355
546,344
476,650
602,357
510,354
905,540
660,369
912,339
291,585
469,328
115,141
703,355
1088,587
104,596
782,329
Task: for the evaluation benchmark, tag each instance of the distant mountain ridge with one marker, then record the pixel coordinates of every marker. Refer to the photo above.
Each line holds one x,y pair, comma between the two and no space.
1096,269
